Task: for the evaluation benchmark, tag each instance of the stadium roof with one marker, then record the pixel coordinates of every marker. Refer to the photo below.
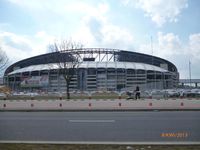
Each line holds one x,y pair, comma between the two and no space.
89,64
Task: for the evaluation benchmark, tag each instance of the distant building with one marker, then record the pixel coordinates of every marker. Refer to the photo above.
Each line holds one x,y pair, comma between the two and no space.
187,83
100,69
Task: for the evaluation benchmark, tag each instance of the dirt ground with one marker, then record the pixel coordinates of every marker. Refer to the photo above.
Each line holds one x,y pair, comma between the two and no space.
95,147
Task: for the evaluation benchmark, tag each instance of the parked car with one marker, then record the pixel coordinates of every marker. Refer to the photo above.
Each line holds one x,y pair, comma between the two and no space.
2,95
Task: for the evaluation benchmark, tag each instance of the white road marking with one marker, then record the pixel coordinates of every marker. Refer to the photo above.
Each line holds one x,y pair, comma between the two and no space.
92,121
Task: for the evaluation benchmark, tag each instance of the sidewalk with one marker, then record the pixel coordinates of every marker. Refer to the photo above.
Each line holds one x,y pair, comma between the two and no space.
115,104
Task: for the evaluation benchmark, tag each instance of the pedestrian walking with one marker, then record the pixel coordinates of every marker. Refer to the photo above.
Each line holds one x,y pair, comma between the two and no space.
137,92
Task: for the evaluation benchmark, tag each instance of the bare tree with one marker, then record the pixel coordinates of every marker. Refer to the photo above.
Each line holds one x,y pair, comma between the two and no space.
3,61
67,59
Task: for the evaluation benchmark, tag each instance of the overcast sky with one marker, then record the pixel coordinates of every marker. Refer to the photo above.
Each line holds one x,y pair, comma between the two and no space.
28,26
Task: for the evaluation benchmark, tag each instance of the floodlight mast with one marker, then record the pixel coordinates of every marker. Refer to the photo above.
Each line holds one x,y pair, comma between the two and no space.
152,61
190,74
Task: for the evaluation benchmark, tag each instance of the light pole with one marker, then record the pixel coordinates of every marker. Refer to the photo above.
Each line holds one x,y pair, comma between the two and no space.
152,63
190,73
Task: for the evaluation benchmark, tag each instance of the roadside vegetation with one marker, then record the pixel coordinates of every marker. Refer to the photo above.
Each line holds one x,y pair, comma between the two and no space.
64,96
95,147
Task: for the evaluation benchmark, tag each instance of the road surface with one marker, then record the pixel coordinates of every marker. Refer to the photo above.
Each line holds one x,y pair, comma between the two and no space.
147,126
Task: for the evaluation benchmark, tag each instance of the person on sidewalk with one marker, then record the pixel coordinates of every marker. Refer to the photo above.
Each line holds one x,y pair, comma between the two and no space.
137,93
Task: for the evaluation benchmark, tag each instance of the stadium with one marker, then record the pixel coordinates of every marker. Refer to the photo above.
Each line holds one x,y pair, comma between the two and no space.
100,69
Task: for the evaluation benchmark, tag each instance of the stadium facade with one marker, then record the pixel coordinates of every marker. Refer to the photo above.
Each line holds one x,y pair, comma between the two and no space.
100,70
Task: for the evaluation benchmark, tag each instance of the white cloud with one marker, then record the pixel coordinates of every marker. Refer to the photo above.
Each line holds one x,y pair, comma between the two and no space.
62,8
194,46
169,46
87,9
117,37
15,46
18,47
42,39
96,30
94,26
44,5
160,11
163,45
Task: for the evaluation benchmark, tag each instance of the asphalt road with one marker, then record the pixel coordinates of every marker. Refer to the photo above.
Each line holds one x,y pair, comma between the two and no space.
101,126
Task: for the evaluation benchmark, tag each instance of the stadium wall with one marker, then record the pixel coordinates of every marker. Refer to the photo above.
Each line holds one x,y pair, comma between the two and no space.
121,70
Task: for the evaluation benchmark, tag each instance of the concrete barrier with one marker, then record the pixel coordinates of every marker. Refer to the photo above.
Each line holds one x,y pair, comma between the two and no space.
87,104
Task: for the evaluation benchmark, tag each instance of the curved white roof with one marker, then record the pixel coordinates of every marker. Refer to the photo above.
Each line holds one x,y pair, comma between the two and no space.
89,64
